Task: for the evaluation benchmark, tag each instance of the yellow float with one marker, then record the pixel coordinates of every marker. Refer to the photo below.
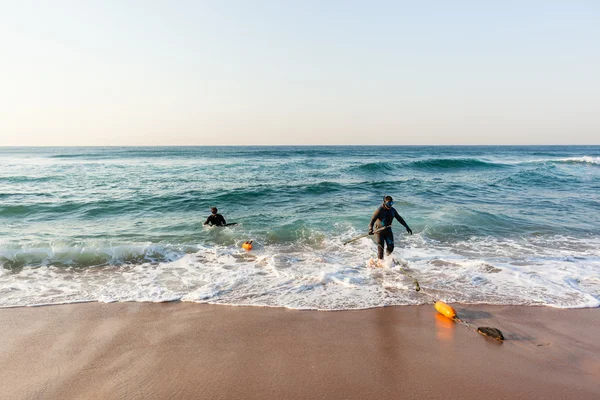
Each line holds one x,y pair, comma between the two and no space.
445,309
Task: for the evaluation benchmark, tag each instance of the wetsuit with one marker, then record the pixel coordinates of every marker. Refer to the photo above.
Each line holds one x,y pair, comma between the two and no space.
215,219
384,217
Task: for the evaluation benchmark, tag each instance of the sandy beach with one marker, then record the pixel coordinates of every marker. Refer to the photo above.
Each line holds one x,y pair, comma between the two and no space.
197,351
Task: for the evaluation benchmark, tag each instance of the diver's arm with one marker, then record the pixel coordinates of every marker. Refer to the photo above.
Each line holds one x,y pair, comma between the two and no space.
401,220
373,219
207,221
223,220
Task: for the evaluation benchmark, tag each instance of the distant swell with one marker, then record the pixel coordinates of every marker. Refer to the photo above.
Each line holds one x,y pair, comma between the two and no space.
434,164
84,156
376,167
25,179
453,163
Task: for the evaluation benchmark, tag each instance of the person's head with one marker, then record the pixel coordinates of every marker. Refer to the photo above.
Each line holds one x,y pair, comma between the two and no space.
388,201
213,210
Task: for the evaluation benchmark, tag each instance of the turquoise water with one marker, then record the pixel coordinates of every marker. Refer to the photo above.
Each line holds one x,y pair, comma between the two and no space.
501,225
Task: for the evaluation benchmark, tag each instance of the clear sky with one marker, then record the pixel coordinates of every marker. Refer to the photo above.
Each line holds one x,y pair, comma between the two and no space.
124,72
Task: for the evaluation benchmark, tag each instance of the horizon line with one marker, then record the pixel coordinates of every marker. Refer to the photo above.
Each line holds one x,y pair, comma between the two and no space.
299,145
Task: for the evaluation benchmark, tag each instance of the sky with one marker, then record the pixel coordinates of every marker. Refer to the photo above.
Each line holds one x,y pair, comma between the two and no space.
305,72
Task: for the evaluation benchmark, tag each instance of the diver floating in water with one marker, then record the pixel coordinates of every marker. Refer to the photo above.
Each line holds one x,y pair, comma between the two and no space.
215,219
382,221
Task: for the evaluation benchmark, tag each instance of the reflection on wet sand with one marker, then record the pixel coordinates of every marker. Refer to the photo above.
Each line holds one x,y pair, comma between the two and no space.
444,328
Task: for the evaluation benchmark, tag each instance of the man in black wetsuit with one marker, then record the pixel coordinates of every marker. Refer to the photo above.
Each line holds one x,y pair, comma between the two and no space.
383,217
215,219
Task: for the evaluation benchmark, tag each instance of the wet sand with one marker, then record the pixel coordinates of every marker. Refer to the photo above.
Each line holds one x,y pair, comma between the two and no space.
197,351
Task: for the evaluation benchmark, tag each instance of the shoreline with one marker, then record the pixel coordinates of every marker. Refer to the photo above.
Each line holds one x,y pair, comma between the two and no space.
326,310
189,350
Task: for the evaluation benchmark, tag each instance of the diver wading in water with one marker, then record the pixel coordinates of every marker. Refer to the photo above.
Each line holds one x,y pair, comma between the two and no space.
215,219
383,218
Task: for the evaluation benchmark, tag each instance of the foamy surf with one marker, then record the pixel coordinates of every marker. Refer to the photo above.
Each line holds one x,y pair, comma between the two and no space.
333,277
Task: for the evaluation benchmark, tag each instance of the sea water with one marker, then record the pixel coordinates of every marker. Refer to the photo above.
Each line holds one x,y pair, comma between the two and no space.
497,225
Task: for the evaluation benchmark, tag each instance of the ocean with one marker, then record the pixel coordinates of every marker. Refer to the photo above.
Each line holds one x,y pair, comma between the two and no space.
492,224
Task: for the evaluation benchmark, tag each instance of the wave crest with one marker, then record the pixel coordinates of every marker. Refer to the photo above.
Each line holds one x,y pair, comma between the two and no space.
569,160
580,160
82,257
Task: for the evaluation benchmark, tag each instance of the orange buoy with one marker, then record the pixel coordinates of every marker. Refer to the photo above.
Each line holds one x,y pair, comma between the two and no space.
445,309
247,245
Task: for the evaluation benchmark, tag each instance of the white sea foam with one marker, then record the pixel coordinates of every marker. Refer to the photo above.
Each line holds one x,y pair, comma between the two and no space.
584,159
570,160
558,272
